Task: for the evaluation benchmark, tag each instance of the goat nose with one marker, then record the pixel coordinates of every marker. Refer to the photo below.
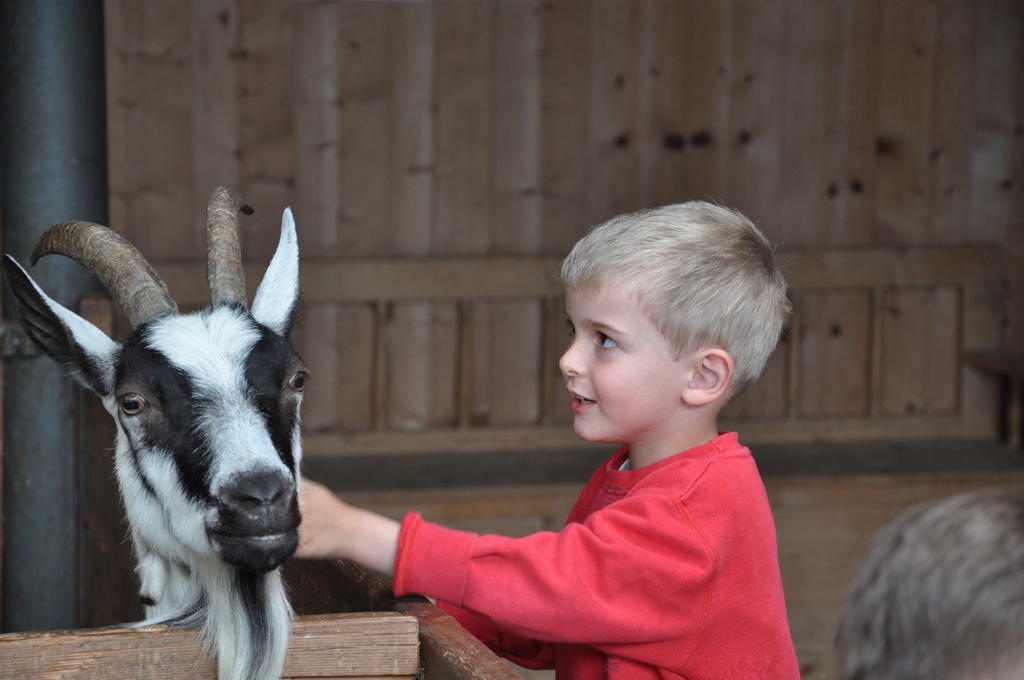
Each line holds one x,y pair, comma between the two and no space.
257,490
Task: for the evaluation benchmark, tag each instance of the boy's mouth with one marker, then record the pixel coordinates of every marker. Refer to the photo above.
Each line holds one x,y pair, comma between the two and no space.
580,403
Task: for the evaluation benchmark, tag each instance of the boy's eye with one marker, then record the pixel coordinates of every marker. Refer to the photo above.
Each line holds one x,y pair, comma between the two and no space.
605,342
570,328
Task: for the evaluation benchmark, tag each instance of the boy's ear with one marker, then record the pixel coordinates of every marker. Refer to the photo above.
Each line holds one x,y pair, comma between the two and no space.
710,378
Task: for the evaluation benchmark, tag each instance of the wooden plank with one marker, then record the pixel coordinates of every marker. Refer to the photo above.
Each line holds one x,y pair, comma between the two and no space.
463,440
318,199
497,277
423,379
876,369
374,473
867,267
412,127
903,147
835,346
463,130
268,87
451,654
952,119
150,43
515,195
919,353
615,127
316,340
753,182
998,102
997,362
767,398
793,357
119,102
355,379
462,507
349,110
853,428
985,310
334,645
404,381
214,83
501,341
812,140
422,359
505,355
337,343
857,184
565,121
339,444
992,186
557,402
689,55
363,70
1014,181
369,644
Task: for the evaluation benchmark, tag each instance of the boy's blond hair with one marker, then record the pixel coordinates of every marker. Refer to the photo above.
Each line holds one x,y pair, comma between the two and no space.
703,273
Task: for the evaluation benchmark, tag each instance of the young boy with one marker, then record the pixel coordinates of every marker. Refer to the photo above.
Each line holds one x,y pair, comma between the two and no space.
667,566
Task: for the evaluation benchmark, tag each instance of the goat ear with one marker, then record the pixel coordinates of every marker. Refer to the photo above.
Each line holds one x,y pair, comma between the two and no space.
278,294
82,349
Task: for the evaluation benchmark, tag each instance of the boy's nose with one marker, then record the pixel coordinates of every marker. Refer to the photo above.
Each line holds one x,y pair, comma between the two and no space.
569,364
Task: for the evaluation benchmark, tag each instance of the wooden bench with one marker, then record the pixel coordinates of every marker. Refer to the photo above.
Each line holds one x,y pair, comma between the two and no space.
1009,368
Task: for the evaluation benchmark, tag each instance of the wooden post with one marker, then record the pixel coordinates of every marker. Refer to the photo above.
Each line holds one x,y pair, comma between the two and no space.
449,651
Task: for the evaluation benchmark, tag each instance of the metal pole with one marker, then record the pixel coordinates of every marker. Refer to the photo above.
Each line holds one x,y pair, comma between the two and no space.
53,168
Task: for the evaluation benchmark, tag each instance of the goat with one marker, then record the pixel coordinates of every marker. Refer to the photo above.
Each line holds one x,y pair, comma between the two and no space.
208,444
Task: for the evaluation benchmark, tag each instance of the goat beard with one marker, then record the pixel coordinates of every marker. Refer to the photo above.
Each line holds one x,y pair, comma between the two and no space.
244,617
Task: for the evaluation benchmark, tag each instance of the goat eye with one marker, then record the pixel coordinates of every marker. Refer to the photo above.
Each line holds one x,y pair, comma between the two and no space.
131,404
298,381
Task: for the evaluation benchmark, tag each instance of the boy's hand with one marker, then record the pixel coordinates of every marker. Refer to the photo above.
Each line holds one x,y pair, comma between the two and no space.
322,523
332,529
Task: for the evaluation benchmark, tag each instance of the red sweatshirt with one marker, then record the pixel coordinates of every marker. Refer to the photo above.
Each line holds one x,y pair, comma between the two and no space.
668,571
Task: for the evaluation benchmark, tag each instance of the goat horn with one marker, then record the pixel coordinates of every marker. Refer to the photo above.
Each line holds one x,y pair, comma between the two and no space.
131,280
224,254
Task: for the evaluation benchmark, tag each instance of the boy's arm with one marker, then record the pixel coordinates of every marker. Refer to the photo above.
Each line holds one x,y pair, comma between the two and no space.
333,529
636,572
582,584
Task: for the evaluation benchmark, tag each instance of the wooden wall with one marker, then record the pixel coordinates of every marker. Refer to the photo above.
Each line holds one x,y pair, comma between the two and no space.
442,156
489,134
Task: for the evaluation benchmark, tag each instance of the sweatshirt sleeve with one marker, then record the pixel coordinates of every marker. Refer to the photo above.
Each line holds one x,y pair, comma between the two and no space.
638,571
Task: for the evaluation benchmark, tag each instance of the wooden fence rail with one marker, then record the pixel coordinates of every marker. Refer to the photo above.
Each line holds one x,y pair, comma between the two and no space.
418,355
360,645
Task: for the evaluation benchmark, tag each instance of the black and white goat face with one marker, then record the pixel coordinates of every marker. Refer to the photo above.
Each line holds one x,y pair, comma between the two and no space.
207,407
